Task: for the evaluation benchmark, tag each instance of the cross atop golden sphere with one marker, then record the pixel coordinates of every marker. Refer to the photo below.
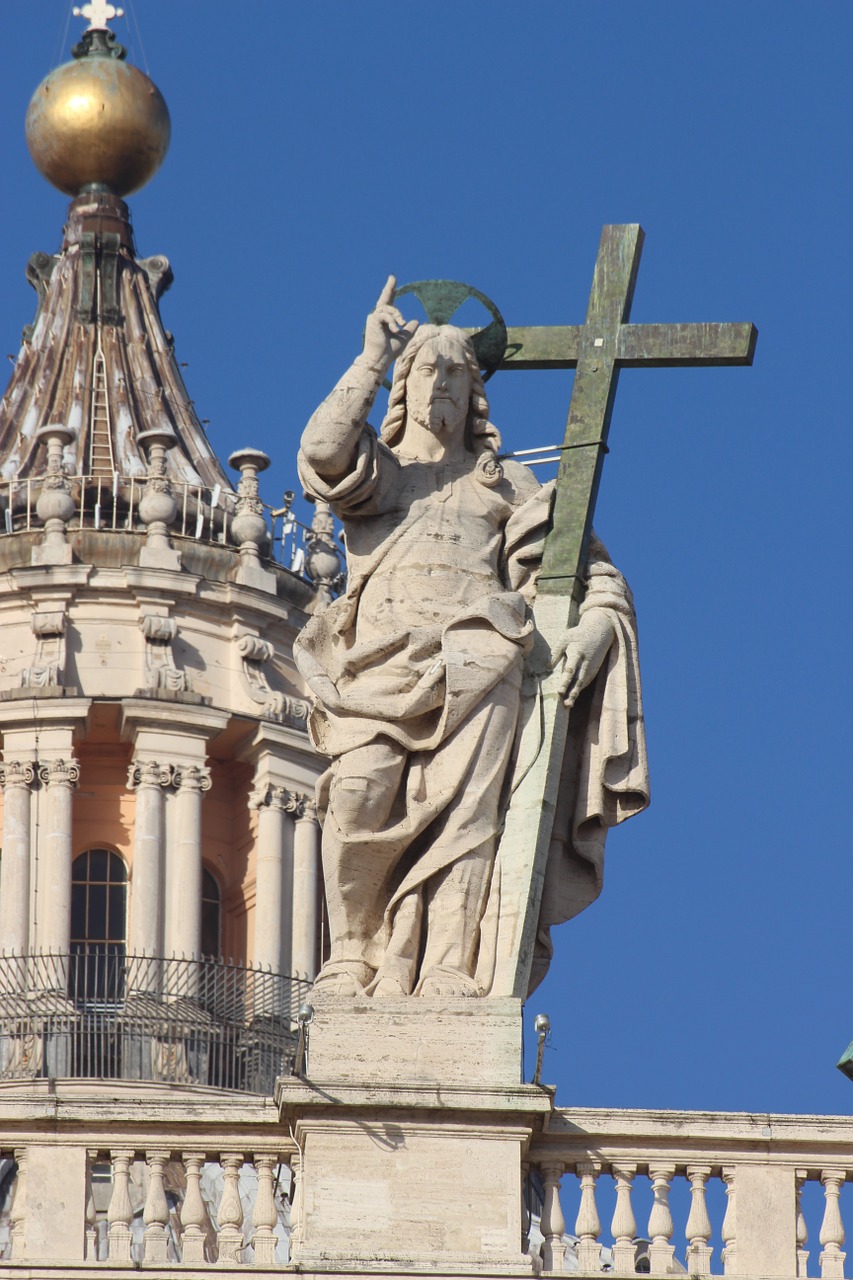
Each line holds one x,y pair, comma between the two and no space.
99,13
98,123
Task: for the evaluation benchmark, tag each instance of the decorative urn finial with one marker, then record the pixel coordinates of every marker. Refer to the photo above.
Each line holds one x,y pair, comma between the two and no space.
55,505
97,123
322,558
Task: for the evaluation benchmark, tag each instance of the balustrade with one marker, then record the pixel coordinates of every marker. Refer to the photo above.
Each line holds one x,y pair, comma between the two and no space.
199,1226
117,504
217,1202
605,1158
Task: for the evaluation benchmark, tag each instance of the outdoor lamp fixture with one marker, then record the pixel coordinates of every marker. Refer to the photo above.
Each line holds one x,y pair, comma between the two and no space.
542,1027
304,1015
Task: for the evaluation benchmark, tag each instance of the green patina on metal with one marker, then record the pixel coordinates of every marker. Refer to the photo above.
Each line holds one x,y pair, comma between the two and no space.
596,350
845,1062
441,299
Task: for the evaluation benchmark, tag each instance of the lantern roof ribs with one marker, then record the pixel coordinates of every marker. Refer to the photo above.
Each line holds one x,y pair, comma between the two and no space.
98,360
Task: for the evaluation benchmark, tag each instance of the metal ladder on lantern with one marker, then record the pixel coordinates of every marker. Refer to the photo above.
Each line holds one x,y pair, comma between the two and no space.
101,457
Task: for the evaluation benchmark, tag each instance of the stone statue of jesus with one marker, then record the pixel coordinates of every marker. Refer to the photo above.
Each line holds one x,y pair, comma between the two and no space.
417,671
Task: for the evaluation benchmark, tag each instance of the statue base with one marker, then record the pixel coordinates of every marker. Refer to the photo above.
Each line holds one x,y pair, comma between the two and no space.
412,1124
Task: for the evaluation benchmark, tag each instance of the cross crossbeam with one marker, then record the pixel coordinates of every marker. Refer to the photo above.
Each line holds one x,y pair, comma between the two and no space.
656,346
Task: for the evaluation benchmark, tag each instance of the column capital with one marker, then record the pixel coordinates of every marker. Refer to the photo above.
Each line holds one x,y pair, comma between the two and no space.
150,773
17,773
59,773
278,798
306,810
192,777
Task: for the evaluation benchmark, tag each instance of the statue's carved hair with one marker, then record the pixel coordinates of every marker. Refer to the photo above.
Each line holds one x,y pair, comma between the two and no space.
482,438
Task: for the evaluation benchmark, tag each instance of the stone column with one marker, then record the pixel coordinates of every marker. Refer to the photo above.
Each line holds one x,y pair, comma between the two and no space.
148,779
185,864
273,876
16,778
306,892
54,926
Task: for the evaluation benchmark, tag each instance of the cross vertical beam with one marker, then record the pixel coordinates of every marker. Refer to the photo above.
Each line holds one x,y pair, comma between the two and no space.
590,410
596,350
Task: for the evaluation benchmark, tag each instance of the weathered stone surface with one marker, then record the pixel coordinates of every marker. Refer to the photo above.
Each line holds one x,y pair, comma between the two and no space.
455,1043
419,679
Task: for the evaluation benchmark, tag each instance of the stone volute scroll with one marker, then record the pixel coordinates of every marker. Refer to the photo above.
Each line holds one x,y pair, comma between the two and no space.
255,655
47,669
161,671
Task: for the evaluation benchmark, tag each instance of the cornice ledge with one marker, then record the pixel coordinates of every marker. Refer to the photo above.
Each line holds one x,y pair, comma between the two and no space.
67,575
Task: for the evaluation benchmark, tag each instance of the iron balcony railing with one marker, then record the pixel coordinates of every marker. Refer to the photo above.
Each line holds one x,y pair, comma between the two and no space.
112,1016
111,504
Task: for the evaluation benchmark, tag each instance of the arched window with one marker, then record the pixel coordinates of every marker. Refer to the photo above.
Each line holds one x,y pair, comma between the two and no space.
211,916
98,924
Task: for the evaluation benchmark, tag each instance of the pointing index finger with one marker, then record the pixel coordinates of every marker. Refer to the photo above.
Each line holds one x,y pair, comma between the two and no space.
387,295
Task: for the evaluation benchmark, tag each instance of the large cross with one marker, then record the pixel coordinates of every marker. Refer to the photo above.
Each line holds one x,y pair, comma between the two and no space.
596,350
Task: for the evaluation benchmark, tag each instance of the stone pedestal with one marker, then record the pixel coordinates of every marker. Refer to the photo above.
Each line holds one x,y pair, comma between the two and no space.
412,1124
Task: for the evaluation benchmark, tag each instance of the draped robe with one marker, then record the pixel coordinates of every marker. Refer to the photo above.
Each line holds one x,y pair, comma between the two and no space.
423,657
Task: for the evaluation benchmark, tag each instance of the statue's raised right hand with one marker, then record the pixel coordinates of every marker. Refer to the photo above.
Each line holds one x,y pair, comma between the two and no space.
386,333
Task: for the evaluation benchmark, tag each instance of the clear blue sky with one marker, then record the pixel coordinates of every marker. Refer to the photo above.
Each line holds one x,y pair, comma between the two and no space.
318,147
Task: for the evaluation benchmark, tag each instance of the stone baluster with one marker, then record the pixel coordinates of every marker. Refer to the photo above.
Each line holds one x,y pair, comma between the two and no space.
623,1225
18,1214
728,1231
265,1215
16,778
698,1229
55,505
60,777
661,1226
120,1211
588,1224
306,891
832,1228
157,506
800,1176
552,1224
91,1212
156,1212
193,1214
192,781
230,1213
297,1224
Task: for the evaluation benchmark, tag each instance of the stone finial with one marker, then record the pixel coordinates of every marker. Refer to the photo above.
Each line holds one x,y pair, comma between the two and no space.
322,558
55,505
157,507
249,527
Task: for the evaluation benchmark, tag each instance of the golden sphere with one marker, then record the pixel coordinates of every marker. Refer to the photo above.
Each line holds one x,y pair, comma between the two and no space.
98,120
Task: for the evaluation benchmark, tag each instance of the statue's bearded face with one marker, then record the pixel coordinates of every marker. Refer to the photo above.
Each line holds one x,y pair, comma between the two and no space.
439,386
